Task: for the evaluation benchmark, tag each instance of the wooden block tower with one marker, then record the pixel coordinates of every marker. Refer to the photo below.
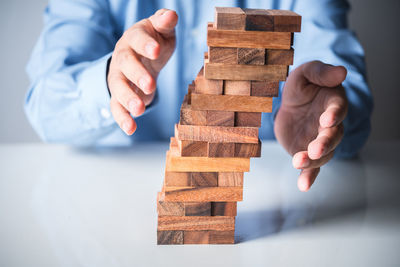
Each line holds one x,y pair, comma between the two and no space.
249,51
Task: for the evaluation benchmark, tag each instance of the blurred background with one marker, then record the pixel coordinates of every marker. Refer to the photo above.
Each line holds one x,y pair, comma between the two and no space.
374,22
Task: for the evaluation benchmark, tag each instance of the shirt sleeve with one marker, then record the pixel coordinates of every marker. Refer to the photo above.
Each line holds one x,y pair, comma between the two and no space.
68,99
325,36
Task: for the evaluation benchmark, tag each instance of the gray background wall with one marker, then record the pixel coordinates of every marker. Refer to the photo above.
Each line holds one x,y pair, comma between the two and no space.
375,22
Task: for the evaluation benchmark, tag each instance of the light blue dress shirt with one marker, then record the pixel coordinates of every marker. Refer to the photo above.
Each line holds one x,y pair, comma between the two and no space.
68,100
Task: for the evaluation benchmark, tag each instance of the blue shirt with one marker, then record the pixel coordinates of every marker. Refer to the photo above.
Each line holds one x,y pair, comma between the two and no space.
68,100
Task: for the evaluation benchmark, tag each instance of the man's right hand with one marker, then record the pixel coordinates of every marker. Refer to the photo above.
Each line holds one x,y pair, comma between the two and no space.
138,57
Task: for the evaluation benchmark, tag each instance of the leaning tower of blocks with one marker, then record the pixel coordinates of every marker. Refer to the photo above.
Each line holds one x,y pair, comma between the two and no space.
249,51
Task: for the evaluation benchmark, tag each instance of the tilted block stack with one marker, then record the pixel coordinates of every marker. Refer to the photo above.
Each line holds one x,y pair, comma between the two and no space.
249,53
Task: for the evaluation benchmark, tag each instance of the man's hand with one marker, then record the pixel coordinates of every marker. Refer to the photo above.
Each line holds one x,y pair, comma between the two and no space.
309,122
138,57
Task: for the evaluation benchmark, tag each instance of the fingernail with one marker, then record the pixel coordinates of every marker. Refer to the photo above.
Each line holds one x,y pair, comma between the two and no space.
305,163
125,127
143,83
150,49
131,106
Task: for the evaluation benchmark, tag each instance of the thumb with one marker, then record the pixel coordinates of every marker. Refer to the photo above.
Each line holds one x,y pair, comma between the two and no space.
322,74
164,22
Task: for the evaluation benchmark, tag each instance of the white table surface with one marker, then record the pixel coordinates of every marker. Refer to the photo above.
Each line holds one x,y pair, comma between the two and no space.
61,206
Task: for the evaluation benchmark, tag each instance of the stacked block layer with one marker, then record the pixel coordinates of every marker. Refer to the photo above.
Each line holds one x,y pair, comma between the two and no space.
249,51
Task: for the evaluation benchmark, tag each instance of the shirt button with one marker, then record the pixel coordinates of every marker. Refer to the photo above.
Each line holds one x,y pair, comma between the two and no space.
105,113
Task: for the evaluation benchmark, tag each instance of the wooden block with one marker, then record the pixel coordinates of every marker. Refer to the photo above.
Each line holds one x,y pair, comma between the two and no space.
203,194
285,20
227,55
177,179
204,179
258,20
248,119
237,87
217,223
232,103
229,18
221,150
245,72
209,237
279,57
264,88
230,179
220,118
188,148
169,237
215,134
169,208
222,237
223,208
248,39
193,117
197,208
248,150
251,56
207,86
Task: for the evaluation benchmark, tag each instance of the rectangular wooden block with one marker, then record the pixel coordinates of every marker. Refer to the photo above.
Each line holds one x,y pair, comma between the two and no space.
207,179
248,119
232,103
279,57
237,87
227,55
203,194
223,208
207,86
285,20
188,148
229,18
169,237
248,150
169,208
197,208
209,237
230,178
216,134
177,179
216,223
251,56
221,150
258,20
264,88
245,72
248,39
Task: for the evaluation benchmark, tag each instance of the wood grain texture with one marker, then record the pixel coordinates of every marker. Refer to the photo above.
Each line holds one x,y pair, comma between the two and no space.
230,178
227,55
223,208
279,56
264,88
237,87
169,208
285,20
229,18
232,103
205,164
189,148
178,179
197,208
248,150
248,39
245,72
221,150
215,134
207,86
248,119
200,179
217,223
251,56
220,118
209,237
169,237
203,194
258,20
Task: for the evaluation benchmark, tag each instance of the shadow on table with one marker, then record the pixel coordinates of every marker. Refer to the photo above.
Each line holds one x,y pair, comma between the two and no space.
339,192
